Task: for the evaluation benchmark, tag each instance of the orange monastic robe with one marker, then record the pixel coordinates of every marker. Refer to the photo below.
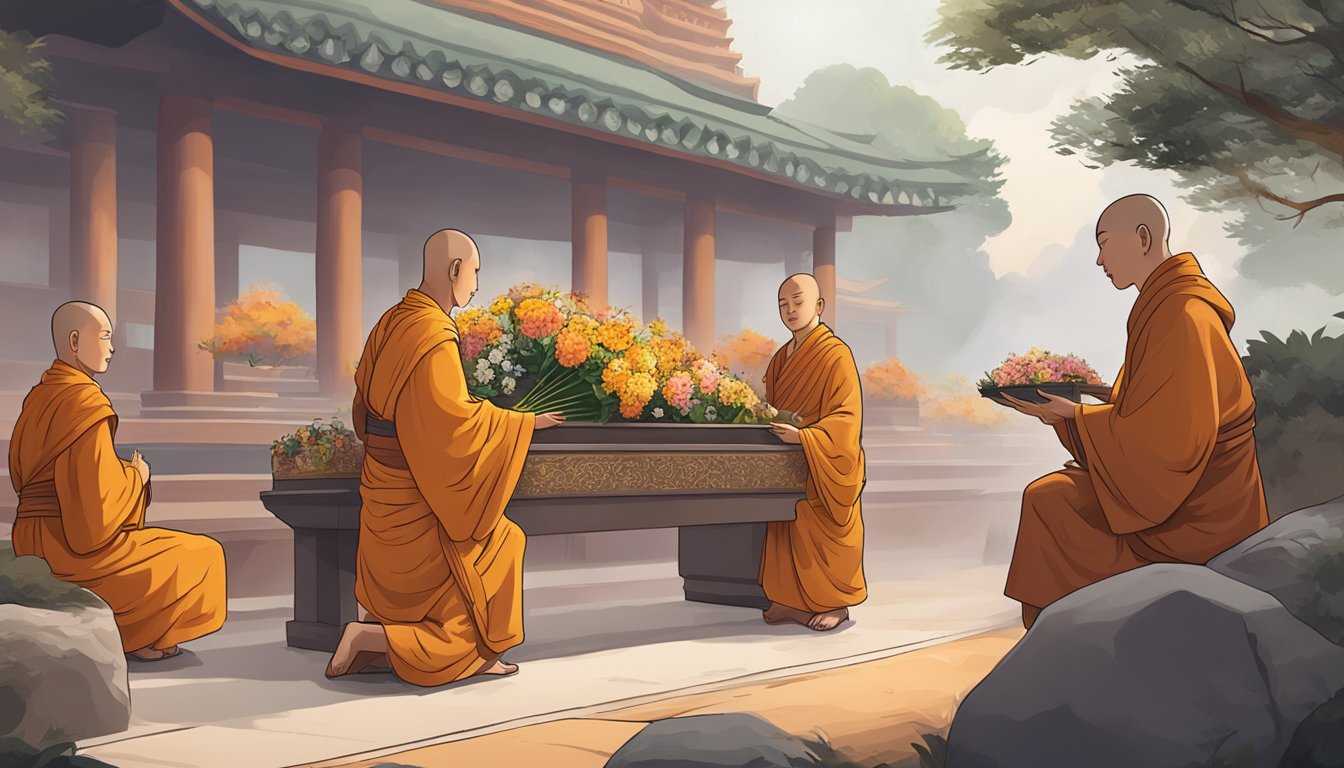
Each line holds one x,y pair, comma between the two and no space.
815,562
82,509
1169,471
440,567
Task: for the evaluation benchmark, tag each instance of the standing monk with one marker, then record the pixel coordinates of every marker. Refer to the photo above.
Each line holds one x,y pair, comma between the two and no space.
1166,469
82,508
440,567
812,566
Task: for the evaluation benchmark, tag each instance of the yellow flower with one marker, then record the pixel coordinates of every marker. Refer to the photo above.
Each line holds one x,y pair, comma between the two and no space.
616,335
658,328
615,375
636,394
641,359
671,352
737,392
502,305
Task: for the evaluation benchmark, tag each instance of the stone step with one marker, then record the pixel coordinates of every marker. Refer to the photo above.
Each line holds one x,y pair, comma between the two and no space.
270,385
887,469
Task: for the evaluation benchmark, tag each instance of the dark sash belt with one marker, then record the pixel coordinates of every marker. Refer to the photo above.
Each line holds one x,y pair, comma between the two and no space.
380,443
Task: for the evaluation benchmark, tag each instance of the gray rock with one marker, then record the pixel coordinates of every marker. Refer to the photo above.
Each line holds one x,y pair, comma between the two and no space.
1319,741
1167,665
1298,559
713,741
62,670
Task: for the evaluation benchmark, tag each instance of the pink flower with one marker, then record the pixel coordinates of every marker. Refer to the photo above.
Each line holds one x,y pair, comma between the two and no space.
678,390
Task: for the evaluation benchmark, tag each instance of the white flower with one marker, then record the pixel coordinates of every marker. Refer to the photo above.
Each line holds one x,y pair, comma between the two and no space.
507,365
485,375
711,414
657,413
519,370
508,384
496,356
482,364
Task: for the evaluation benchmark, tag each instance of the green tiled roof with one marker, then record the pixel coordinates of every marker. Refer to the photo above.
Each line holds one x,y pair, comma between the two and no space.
437,48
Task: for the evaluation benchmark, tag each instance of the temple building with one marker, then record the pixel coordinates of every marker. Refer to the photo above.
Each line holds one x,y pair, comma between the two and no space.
591,143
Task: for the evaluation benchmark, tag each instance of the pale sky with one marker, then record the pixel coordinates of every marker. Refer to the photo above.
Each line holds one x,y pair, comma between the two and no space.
1054,200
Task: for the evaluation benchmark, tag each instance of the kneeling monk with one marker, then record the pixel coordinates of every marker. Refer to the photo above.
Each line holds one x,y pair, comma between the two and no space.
82,508
439,566
1166,470
812,566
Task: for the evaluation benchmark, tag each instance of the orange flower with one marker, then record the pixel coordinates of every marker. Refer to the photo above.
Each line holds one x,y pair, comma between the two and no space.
538,319
615,375
671,353
524,291
636,394
616,335
571,347
478,329
641,359
264,324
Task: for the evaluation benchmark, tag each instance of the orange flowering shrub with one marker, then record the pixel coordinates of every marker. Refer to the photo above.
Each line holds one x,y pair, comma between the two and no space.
889,380
956,403
262,325
747,352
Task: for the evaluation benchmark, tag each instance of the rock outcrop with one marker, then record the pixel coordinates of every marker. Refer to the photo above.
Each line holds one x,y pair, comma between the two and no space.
713,741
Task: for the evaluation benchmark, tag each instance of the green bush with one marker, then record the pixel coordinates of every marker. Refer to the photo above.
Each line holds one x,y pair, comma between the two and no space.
1299,394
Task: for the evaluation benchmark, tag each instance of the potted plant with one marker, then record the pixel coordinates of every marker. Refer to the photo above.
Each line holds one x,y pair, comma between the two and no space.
317,450
891,394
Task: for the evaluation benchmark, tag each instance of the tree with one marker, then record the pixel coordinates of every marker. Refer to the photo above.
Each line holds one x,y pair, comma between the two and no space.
24,77
935,261
1244,100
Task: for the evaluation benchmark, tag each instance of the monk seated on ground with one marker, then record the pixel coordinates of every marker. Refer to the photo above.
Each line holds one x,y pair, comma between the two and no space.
1165,471
82,508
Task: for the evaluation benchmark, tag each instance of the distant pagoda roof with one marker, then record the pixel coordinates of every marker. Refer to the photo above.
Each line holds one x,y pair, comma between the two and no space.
436,48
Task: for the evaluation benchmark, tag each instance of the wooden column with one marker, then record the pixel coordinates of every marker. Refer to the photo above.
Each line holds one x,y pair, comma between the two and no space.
648,273
93,209
184,291
697,286
823,268
588,231
340,295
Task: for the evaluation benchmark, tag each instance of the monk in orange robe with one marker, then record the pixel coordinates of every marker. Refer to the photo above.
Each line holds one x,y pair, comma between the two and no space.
439,566
1165,471
812,566
82,508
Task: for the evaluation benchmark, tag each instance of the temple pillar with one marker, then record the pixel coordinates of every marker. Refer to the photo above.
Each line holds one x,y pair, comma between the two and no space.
697,282
58,243
340,295
93,208
648,273
823,268
588,231
184,291
227,288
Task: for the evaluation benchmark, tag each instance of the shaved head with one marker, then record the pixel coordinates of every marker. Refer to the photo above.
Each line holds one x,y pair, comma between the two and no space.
452,262
1132,238
82,335
800,303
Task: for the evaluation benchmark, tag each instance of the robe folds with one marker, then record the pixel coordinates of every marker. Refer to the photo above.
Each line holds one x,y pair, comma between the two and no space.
814,563
1167,469
439,566
82,509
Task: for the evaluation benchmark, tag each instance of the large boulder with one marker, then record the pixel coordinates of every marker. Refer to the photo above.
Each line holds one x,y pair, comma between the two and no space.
1166,665
713,741
1298,559
62,670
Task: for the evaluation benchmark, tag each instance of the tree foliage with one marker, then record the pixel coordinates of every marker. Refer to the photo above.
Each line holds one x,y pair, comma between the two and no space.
934,261
1245,100
24,79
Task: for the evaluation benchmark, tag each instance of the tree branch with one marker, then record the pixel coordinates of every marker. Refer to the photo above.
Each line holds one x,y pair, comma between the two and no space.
1302,208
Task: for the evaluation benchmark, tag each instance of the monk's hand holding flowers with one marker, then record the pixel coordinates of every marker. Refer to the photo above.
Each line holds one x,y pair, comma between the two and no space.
1053,411
786,432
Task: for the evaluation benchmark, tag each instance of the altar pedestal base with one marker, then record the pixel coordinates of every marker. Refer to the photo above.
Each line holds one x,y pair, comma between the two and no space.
721,564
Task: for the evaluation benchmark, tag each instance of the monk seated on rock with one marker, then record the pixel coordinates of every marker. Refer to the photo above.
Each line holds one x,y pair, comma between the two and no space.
1165,471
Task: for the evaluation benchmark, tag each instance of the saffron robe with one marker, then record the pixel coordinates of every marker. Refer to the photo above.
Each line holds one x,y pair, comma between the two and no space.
439,566
814,563
82,509
1167,469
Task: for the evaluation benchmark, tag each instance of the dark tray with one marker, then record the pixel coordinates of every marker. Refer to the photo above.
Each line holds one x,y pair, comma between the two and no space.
1072,390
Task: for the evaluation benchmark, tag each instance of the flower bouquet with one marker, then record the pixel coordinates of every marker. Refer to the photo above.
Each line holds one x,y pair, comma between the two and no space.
539,350
1022,375
317,449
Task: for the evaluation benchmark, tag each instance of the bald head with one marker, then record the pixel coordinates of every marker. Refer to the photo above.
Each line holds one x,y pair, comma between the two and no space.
1132,239
82,335
800,302
452,262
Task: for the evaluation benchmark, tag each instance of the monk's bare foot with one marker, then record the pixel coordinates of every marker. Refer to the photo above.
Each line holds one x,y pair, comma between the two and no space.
498,668
782,614
363,648
825,622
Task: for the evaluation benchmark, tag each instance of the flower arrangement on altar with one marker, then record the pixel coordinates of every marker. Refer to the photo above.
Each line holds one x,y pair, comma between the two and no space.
329,448
1039,366
536,349
262,326
890,380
